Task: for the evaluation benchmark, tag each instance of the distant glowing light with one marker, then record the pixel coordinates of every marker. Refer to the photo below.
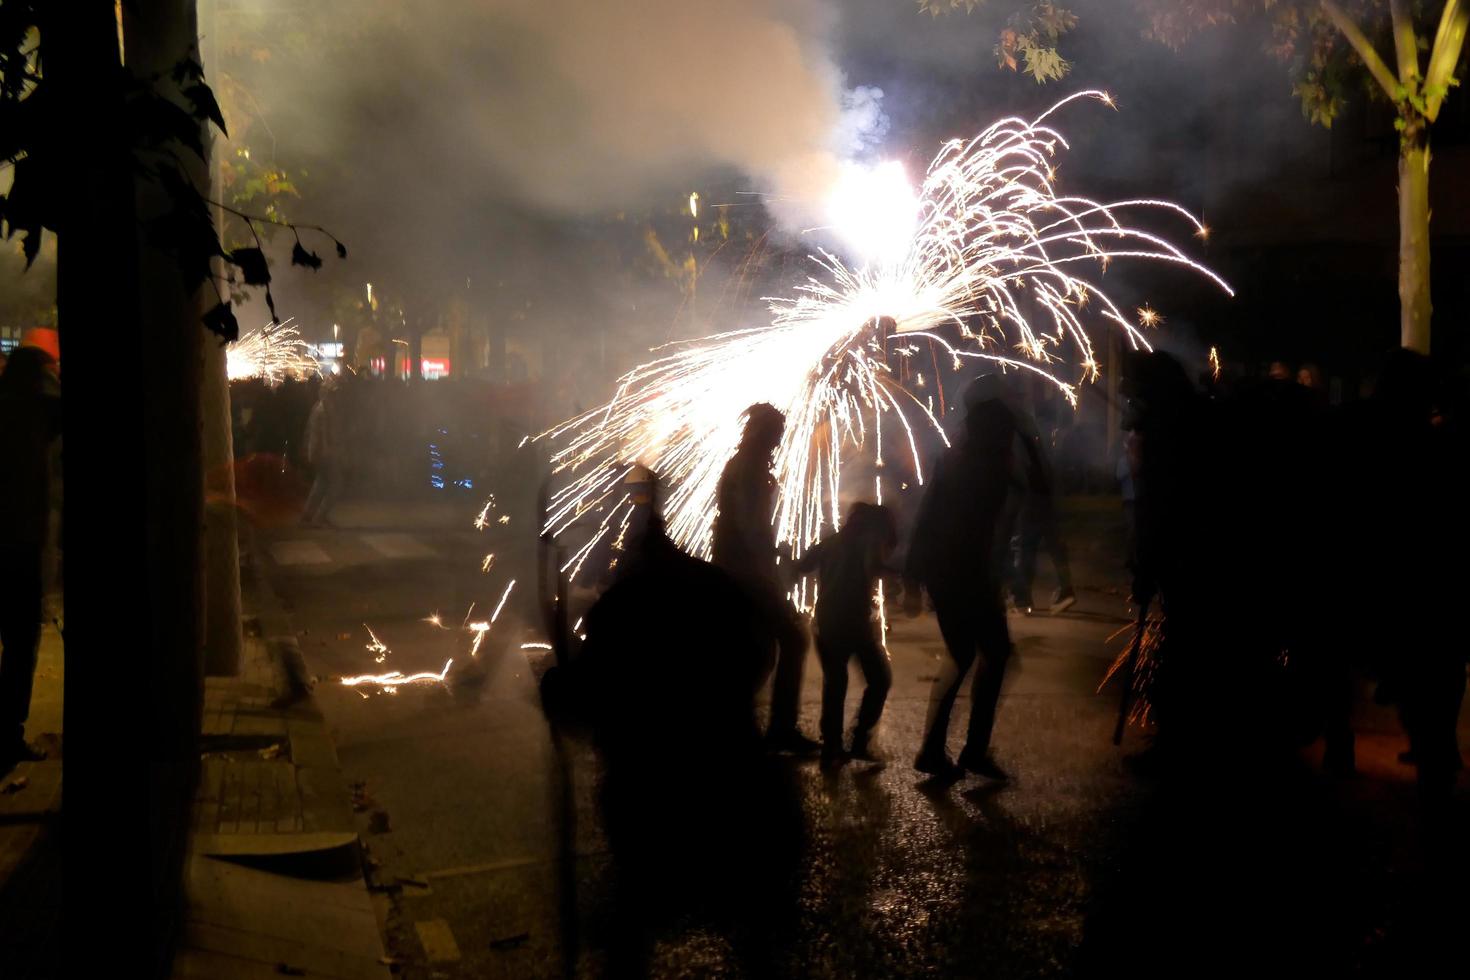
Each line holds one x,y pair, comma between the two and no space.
271,353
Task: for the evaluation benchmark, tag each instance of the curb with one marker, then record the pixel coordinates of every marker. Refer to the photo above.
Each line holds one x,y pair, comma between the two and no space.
271,782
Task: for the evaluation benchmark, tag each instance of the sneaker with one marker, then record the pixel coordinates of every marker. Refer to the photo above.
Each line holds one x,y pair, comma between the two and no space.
937,764
983,766
1063,600
793,742
864,750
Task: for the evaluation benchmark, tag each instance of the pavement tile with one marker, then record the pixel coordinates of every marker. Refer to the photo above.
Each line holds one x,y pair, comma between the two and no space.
243,922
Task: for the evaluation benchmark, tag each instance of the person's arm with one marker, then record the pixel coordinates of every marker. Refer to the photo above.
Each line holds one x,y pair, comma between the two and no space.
811,559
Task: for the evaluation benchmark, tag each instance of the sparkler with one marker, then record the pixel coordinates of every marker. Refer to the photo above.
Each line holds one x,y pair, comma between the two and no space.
992,271
273,353
1215,362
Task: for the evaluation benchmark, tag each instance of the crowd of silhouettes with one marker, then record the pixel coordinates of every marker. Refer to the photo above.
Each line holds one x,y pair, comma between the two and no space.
1293,546
1290,548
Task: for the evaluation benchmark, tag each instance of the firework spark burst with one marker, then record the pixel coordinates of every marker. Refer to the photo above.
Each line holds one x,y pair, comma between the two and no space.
994,272
272,353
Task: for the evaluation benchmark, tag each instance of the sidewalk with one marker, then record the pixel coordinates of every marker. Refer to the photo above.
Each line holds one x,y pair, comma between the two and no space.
30,849
275,884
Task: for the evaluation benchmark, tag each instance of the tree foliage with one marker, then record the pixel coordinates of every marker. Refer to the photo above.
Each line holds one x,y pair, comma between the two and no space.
1029,38
1325,46
166,116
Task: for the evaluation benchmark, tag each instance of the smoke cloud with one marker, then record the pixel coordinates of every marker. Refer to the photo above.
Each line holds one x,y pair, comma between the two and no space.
575,107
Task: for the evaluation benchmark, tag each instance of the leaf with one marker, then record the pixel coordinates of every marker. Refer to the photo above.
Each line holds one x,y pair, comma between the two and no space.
341,250
221,321
300,256
253,267
205,105
158,121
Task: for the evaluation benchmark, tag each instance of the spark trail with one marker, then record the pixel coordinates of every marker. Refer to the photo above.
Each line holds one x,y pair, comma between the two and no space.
272,353
996,271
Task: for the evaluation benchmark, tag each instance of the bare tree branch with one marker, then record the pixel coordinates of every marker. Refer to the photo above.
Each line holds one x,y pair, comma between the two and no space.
1404,43
1449,41
1364,48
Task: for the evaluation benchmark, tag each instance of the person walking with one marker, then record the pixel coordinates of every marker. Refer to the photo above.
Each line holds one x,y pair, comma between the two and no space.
957,555
745,547
324,453
1038,520
30,420
848,566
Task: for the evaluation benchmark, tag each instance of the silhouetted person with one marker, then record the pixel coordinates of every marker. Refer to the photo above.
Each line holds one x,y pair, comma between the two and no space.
700,820
1037,518
621,557
1180,550
957,554
745,547
1415,542
30,418
326,452
848,566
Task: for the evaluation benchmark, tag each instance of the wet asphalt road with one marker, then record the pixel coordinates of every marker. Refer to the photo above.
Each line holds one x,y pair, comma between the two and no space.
1077,867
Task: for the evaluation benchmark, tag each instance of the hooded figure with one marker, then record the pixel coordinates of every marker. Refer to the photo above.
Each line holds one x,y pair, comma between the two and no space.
745,547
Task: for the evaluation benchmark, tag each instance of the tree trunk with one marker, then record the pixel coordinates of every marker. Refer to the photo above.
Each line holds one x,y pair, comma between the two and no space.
105,686
223,641
158,34
1414,301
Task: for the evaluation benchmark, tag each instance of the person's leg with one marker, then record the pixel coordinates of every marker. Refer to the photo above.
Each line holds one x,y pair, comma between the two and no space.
833,656
993,638
1051,539
956,627
790,663
315,500
20,637
1029,532
878,678
330,493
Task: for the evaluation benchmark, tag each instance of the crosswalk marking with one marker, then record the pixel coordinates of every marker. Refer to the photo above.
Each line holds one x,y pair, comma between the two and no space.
397,546
298,553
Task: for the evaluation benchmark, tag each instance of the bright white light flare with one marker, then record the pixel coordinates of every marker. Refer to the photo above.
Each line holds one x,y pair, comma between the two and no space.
873,209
